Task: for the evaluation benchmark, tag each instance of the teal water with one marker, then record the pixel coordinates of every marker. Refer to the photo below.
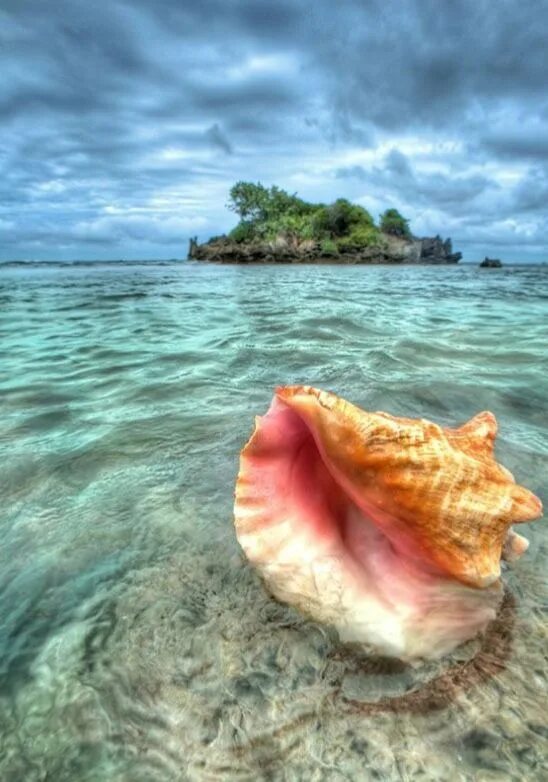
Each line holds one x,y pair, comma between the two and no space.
135,643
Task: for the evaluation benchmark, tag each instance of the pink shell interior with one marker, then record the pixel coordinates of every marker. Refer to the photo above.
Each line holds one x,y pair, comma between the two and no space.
318,551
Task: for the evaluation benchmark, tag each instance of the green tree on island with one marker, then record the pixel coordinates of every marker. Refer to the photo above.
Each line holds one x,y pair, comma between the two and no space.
270,213
248,201
393,223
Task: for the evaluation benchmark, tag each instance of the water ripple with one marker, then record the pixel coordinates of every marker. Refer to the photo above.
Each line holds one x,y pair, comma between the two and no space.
135,643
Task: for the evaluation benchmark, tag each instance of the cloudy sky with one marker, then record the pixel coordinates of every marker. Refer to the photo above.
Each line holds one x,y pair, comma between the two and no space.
124,123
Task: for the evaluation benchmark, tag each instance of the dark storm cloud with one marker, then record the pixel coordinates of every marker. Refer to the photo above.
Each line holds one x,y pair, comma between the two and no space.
532,192
218,139
397,175
424,61
531,144
123,126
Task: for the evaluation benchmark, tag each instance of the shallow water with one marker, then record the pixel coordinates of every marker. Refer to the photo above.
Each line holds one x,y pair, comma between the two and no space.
135,644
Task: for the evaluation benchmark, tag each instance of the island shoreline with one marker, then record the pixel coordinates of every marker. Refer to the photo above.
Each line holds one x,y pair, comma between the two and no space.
397,251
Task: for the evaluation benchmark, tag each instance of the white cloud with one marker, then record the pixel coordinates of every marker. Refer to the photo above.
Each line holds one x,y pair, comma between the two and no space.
151,228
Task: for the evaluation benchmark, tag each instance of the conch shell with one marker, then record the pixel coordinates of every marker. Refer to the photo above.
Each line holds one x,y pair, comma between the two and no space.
391,529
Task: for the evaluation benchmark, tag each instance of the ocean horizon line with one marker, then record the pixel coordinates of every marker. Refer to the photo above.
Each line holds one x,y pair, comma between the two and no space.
170,261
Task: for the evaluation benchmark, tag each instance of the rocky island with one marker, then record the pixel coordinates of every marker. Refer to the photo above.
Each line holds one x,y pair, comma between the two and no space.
276,227
491,263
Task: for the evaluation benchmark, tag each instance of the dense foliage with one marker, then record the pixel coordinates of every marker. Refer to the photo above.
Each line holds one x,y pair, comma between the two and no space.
393,223
271,213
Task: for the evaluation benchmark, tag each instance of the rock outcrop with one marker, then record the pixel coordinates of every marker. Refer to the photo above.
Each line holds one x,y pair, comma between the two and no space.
438,251
490,263
390,249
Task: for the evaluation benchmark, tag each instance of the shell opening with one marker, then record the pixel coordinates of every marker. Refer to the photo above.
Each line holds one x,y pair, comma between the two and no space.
321,553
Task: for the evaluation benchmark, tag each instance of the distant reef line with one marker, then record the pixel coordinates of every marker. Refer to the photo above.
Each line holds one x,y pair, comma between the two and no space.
278,227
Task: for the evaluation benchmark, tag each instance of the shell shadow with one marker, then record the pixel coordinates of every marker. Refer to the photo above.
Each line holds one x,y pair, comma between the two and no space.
433,695
439,692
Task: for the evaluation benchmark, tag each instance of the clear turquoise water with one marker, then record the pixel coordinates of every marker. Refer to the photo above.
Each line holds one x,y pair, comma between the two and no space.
135,643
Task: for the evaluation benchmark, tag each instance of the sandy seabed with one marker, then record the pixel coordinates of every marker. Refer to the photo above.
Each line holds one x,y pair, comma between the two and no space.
189,671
